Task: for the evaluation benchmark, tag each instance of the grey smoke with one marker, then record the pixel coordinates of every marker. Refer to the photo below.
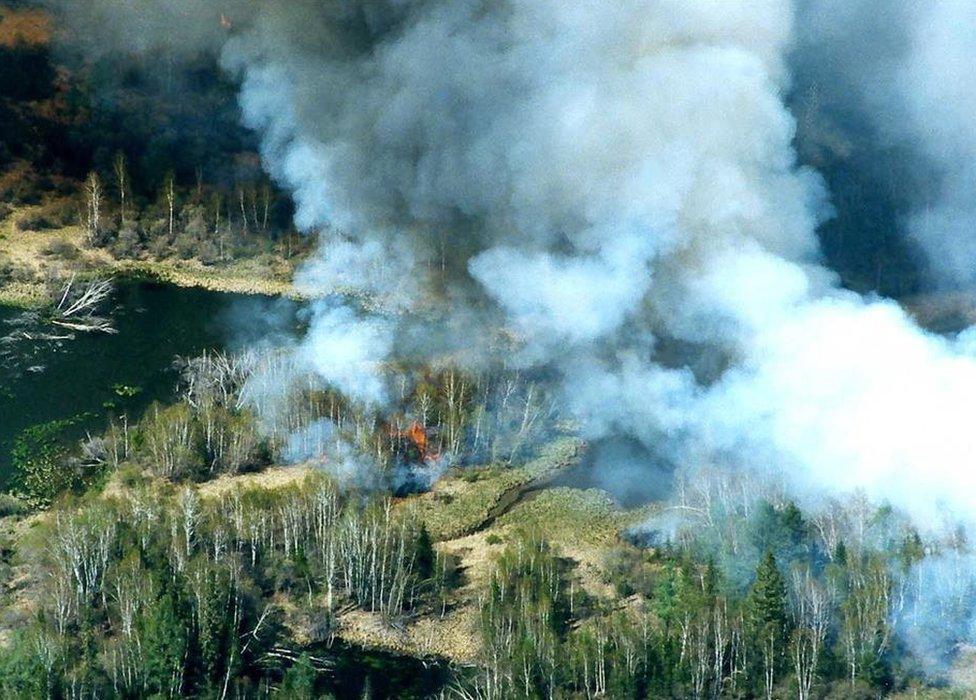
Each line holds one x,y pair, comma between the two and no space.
600,177
905,71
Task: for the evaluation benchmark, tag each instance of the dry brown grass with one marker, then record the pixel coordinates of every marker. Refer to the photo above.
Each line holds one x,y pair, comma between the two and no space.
270,478
31,27
31,251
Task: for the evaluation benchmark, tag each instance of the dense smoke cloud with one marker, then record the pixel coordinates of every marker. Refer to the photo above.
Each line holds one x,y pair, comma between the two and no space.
901,73
602,179
608,178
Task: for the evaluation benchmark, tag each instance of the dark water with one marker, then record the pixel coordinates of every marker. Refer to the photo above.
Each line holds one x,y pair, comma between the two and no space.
90,374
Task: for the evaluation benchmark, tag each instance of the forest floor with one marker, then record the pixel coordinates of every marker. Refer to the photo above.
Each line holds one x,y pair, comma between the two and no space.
472,514
38,255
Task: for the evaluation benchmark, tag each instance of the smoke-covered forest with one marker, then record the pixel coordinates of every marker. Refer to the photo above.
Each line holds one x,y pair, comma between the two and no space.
522,349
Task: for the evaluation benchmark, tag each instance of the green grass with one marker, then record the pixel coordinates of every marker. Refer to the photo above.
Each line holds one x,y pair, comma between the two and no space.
463,501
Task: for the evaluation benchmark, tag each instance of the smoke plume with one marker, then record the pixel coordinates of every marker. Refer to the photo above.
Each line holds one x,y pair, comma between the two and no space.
605,180
901,74
609,179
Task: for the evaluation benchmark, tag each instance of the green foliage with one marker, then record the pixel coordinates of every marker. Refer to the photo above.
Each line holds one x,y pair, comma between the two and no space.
27,664
163,633
523,617
165,594
126,391
43,469
766,604
298,682
425,557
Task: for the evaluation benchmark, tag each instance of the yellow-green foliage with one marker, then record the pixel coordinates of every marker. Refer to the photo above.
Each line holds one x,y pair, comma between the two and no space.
464,500
556,455
568,515
460,503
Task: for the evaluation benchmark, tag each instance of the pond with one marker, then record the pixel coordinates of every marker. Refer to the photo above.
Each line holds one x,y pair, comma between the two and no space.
100,376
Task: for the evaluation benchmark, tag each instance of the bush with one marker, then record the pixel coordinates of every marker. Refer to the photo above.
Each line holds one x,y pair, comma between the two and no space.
11,505
62,249
169,443
43,467
128,243
186,245
19,185
11,272
62,212
35,221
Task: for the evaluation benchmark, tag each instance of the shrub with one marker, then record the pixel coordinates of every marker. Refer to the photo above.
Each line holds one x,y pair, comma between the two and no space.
61,212
20,186
62,249
128,243
35,221
169,443
11,505
12,272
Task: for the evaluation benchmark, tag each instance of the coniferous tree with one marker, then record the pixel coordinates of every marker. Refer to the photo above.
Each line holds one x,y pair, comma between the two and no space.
767,617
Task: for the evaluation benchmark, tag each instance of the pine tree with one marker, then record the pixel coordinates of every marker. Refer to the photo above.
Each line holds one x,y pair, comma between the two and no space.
299,680
767,598
840,554
768,620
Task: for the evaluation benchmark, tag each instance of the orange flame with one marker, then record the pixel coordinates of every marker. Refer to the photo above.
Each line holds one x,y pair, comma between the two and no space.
418,436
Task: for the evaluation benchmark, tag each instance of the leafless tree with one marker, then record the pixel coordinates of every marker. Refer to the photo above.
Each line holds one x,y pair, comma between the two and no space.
169,191
122,183
812,605
93,207
77,306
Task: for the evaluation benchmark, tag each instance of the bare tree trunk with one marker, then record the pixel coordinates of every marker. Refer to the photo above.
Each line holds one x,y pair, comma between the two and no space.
121,180
171,201
93,192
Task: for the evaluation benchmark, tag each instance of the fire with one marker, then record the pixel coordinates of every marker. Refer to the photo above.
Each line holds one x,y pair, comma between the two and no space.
415,443
418,436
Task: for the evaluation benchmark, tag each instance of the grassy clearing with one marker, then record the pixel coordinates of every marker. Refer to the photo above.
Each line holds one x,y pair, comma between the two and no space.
568,517
34,255
460,503
465,500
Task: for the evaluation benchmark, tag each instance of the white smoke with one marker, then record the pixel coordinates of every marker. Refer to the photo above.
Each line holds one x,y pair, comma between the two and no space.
607,175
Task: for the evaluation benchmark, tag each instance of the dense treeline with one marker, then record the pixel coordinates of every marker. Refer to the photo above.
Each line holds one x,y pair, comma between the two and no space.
70,113
169,592
147,153
239,413
681,628
730,590
166,593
